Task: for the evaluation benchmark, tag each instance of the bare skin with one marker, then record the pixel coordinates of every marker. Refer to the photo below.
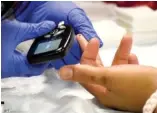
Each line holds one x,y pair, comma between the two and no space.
124,86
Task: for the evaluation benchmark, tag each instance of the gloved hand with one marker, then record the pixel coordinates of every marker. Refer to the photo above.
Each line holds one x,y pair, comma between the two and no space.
61,11
14,32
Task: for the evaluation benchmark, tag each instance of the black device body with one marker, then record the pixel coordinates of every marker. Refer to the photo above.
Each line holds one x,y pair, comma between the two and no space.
12,8
58,41
5,6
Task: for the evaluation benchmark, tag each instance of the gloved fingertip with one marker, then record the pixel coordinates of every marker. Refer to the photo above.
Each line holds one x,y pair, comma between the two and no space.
50,65
38,69
58,63
101,44
92,35
46,26
76,50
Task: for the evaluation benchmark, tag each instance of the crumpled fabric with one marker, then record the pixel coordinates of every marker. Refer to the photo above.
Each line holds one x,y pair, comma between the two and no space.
48,94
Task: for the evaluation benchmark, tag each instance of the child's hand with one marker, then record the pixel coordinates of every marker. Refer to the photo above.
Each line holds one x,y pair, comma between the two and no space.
125,87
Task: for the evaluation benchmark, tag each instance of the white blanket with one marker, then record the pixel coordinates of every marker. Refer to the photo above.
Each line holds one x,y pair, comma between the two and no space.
47,94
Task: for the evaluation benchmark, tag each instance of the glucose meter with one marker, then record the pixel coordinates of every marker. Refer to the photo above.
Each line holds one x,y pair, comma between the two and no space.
51,46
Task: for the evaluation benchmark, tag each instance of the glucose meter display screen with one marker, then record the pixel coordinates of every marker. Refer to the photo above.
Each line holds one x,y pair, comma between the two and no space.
47,46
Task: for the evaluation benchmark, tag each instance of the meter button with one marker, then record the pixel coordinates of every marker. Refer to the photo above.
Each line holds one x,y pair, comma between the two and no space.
47,36
61,24
62,27
58,33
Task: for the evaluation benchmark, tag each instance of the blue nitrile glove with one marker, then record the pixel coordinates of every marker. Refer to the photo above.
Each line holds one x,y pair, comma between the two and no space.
14,32
61,11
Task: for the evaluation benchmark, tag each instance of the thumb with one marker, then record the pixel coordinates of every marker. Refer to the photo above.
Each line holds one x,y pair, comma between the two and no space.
24,68
84,74
33,30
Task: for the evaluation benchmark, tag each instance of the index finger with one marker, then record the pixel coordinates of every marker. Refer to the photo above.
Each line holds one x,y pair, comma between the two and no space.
123,52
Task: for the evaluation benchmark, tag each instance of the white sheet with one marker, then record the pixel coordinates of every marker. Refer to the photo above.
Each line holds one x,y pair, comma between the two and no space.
47,94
